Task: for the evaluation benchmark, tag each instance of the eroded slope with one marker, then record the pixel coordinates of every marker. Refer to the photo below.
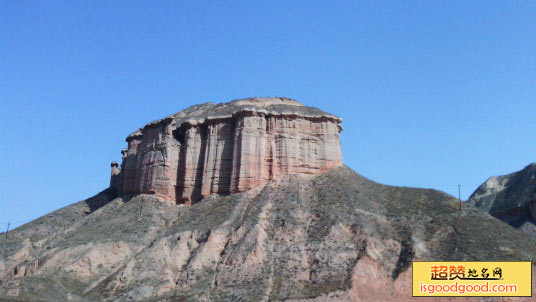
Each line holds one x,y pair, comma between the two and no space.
333,237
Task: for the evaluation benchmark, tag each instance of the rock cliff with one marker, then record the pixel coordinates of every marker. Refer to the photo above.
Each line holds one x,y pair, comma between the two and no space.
511,198
228,148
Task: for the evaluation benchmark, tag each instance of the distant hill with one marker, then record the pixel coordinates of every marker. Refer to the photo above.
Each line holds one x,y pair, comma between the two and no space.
511,198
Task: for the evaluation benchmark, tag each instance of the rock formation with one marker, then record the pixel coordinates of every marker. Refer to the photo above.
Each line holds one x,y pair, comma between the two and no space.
115,178
302,227
228,148
511,198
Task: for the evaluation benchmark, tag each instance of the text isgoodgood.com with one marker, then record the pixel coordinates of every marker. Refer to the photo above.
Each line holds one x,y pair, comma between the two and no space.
461,289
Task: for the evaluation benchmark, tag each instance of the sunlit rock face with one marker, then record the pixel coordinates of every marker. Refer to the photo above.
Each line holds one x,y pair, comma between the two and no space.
228,148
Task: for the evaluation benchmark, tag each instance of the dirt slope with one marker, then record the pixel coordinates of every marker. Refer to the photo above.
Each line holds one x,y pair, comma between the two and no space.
333,237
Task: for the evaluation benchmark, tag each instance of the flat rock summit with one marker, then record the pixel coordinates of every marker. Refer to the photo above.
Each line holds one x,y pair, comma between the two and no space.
228,148
246,201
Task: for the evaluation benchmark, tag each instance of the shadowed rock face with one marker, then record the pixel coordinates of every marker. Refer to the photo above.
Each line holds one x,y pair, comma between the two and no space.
331,237
227,148
511,198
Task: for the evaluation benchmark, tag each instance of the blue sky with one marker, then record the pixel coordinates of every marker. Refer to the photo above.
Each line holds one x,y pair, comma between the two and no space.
432,93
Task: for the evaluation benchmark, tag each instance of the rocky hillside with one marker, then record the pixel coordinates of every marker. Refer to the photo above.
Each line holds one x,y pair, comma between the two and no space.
332,237
511,198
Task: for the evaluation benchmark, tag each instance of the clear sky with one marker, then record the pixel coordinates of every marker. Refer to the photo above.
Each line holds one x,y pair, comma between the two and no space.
432,93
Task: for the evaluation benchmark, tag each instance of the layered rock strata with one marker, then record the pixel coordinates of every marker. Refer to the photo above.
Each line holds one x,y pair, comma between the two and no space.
228,148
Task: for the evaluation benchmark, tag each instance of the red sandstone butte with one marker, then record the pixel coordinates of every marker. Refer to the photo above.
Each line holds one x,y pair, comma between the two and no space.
227,148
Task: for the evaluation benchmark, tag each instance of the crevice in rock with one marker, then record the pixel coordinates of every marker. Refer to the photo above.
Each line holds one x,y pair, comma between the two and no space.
181,168
404,258
198,183
222,253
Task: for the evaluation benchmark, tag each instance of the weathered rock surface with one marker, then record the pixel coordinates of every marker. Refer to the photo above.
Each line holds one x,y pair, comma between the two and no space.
511,198
331,237
228,148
